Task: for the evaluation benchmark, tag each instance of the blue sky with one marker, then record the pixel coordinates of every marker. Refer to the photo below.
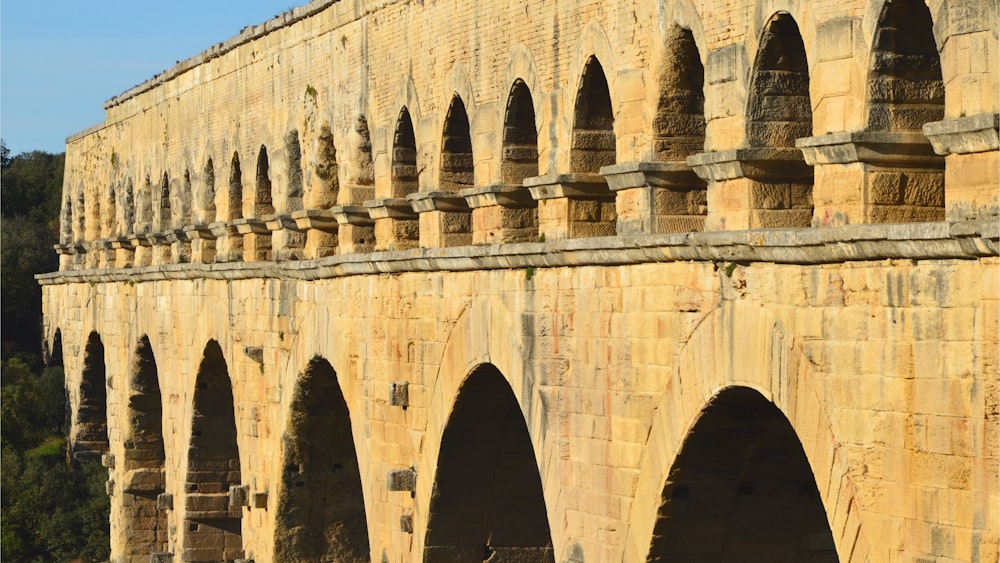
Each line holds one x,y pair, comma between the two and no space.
60,60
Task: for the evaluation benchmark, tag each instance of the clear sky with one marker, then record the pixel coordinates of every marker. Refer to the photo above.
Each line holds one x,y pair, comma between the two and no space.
60,60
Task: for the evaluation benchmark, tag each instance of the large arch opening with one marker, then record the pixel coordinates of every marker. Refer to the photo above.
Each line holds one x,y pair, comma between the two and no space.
321,508
593,144
212,529
779,111
741,489
487,500
518,160
146,527
92,413
405,177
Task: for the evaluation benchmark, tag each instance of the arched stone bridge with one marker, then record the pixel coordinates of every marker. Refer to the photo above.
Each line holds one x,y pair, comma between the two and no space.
546,281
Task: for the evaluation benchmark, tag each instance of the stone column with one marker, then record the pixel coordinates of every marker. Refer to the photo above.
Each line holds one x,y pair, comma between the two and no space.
755,188
575,205
256,239
397,225
202,243
143,246
320,227
445,219
657,197
502,213
124,249
284,245
868,177
65,252
356,230
228,242
180,246
972,164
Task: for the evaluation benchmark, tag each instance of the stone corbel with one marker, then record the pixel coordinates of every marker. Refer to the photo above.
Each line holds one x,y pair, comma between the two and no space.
656,197
251,226
396,223
281,223
449,202
880,148
356,229
576,205
965,135
316,219
502,195
445,218
755,163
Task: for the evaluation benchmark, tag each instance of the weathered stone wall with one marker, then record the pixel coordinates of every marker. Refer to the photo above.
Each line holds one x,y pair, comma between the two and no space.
219,276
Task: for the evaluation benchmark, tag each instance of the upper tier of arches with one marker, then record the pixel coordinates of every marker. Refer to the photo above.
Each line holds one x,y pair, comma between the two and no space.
781,110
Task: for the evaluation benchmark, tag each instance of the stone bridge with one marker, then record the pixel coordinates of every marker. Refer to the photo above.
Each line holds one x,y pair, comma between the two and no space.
575,281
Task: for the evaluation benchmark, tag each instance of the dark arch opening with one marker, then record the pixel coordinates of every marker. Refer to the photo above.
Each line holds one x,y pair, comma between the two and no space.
263,203
235,189
144,458
92,413
81,214
327,171
365,175
520,137
165,212
110,226
293,150
679,125
185,197
128,211
212,527
66,225
487,499
144,218
208,196
321,509
54,351
741,489
457,170
405,177
779,112
593,122
905,86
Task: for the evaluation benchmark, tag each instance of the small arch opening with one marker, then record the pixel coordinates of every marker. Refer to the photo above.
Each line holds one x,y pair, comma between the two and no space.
405,175
208,193
166,216
457,165
520,137
263,203
593,144
327,190
235,200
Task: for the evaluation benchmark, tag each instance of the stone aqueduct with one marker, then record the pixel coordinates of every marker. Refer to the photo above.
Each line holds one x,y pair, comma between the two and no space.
546,281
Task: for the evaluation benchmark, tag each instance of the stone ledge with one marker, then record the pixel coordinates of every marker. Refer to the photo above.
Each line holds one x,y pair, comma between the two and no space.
975,133
757,163
874,147
916,241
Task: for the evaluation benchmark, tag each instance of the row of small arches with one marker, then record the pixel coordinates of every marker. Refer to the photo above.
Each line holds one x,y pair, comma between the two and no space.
904,88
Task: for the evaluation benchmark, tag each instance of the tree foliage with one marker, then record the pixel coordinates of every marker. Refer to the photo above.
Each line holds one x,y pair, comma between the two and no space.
51,508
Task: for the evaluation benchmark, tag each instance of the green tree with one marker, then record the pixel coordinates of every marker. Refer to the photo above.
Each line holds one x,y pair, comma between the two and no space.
51,509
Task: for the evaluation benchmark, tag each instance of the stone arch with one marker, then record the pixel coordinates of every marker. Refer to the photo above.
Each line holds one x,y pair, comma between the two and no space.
741,345
482,334
778,106
521,67
109,227
519,158
184,198
742,478
144,206
487,497
361,175
593,140
163,197
208,209
905,88
54,350
66,223
235,199
325,190
91,438
128,207
321,504
457,169
263,196
212,528
679,122
80,212
145,527
405,176
293,154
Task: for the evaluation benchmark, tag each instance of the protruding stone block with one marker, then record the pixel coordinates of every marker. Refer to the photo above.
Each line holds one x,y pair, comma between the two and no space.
972,170
256,238
445,219
573,205
164,501
401,480
397,225
399,395
502,213
229,242
656,197
144,481
320,227
874,177
109,487
356,232
258,500
754,188
239,495
161,557
203,243
108,460
406,521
